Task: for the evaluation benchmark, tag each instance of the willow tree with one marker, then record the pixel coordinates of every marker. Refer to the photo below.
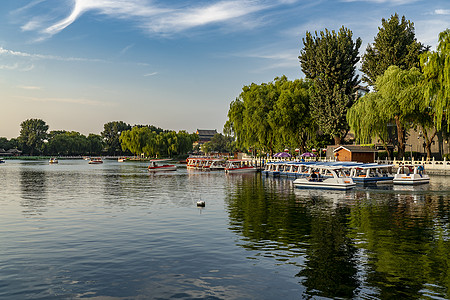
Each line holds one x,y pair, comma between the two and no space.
394,45
398,98
291,118
436,69
366,119
271,115
329,60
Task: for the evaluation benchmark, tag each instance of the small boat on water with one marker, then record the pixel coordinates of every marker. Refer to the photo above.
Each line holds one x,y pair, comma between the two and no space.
2,160
53,160
95,160
155,167
239,166
411,175
325,177
121,159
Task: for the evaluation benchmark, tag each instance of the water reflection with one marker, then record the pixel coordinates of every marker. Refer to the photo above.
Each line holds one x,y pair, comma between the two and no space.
367,243
33,184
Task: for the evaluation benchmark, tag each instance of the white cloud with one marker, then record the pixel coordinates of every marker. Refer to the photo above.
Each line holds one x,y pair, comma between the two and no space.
442,11
150,74
9,52
78,101
153,18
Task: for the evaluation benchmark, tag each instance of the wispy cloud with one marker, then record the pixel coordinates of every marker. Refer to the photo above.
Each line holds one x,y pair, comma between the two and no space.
9,52
442,12
392,2
150,74
77,101
151,17
29,87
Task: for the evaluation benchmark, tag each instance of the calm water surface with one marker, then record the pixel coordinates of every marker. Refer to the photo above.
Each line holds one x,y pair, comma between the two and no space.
113,231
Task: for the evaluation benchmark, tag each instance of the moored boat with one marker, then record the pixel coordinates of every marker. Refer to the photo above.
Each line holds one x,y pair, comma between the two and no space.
372,173
411,175
239,166
155,167
325,177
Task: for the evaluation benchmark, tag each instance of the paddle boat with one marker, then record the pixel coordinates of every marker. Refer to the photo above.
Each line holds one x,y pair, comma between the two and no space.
95,160
53,160
154,167
411,175
122,159
239,166
325,177
2,160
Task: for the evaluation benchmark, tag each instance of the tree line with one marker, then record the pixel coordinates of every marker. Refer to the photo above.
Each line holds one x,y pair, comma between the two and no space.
408,87
117,138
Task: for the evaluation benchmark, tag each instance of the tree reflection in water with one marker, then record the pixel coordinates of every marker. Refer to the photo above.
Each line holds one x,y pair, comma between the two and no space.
368,243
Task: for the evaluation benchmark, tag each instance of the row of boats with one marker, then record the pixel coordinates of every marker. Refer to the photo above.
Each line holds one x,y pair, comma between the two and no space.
345,175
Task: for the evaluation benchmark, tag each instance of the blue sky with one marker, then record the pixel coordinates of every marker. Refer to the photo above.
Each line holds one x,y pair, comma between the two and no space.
78,64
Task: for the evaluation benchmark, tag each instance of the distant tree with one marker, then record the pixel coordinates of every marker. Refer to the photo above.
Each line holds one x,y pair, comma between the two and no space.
111,133
395,44
436,69
185,141
95,144
329,60
6,144
32,135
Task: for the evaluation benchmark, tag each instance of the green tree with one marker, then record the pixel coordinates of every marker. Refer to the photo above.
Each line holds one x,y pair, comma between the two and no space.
111,133
367,121
398,98
32,135
329,60
395,44
95,144
436,69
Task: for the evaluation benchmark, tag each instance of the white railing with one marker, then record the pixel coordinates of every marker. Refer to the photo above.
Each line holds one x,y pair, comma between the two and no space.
429,164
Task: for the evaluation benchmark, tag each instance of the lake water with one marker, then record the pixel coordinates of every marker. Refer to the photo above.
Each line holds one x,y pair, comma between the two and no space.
113,231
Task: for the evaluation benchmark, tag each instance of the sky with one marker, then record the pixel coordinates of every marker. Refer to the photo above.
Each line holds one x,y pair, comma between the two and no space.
78,64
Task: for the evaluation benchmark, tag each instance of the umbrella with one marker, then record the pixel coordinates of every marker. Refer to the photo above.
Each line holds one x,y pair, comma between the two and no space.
282,154
308,154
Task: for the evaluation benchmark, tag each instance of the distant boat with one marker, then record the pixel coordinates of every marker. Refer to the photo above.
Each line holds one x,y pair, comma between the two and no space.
411,175
96,160
121,159
1,160
53,160
154,167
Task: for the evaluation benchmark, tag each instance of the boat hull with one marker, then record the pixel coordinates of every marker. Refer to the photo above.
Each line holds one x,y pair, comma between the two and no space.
240,170
162,168
326,184
408,180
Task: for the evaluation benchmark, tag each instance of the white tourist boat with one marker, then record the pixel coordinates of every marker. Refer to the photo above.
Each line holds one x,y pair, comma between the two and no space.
411,175
155,167
2,160
95,160
325,177
53,160
239,166
372,173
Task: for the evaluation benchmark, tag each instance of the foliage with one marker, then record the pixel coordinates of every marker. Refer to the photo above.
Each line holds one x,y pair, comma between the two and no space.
398,98
329,60
32,135
271,115
219,143
395,44
436,69
73,143
142,140
111,133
